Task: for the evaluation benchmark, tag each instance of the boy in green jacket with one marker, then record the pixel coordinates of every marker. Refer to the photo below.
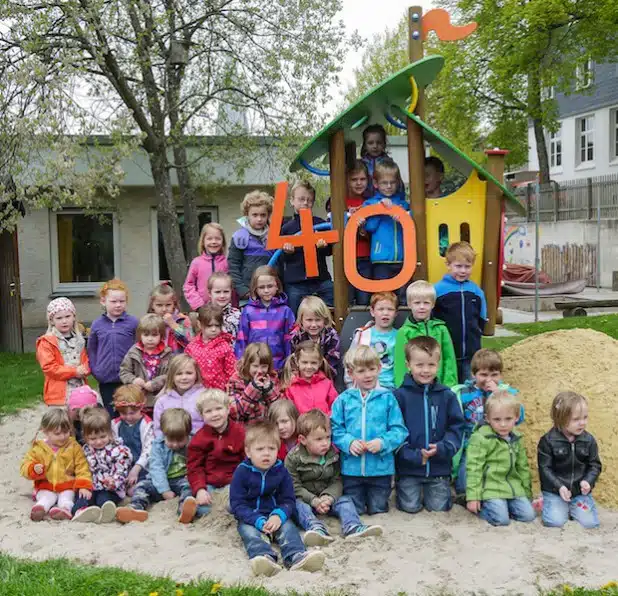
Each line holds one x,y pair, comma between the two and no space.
421,298
498,478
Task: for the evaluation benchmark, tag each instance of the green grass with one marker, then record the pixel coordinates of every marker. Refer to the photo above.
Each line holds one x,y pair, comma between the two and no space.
21,382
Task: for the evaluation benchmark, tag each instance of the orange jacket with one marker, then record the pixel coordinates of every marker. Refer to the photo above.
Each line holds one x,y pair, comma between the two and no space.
56,372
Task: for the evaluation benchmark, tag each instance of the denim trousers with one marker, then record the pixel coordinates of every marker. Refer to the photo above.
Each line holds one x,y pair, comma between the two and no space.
387,271
297,291
416,492
368,493
464,372
557,512
343,508
107,395
99,497
258,544
145,494
460,481
365,269
499,512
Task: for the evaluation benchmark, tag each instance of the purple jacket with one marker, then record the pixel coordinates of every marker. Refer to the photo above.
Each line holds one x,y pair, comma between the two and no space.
108,343
271,325
195,287
247,253
186,401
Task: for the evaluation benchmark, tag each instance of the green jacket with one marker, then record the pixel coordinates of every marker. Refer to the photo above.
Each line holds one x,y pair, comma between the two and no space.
311,477
496,468
447,371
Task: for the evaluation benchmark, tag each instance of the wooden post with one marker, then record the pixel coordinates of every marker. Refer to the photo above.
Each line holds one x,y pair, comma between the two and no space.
336,150
493,240
416,149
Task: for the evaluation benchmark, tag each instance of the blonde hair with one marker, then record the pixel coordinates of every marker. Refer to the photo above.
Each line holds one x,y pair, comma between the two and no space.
216,396
256,198
385,166
264,270
502,399
176,424
290,369
180,361
302,184
262,430
421,290
316,306
283,407
150,324
361,357
128,396
162,290
461,251
259,352
56,419
219,275
114,284
312,420
211,226
563,407
486,359
95,420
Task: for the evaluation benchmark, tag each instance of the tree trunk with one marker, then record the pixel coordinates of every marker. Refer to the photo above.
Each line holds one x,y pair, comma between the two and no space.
535,112
541,151
189,202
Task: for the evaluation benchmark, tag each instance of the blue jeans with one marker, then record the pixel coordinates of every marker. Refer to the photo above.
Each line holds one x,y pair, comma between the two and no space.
205,509
258,544
99,497
343,508
460,481
368,493
464,372
556,512
297,291
414,492
364,268
145,494
387,271
107,395
499,512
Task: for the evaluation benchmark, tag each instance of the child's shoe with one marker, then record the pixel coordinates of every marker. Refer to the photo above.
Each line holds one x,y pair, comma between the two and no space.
127,514
37,513
59,514
362,531
308,561
317,537
108,512
187,513
264,565
88,514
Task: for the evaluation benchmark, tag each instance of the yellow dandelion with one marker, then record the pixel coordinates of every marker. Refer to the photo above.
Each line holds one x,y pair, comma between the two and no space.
216,588
153,594
609,586
125,593
567,589
178,592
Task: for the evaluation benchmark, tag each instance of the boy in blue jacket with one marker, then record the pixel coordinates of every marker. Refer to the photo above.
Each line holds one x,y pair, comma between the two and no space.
263,502
435,426
367,428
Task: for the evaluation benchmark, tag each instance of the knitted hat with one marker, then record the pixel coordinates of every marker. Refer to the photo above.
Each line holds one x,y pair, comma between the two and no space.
81,397
58,304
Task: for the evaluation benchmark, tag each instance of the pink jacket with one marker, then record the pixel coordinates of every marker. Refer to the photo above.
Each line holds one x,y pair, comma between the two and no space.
319,392
195,287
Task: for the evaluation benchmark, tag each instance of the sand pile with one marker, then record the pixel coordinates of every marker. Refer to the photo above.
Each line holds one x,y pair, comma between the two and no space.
579,360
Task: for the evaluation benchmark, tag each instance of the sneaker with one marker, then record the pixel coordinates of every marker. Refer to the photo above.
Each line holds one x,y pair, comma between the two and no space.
59,514
37,513
264,565
317,537
108,512
88,514
127,514
362,530
187,512
309,561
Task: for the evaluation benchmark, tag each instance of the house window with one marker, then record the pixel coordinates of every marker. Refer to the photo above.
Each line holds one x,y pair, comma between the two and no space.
548,93
584,75
585,140
613,124
84,249
555,148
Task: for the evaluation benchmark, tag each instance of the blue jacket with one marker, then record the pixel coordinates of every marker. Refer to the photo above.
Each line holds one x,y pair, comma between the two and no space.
462,306
255,495
386,233
158,464
376,417
432,415
108,343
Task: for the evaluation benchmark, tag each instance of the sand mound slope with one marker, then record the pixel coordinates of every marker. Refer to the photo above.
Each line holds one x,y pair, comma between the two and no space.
579,360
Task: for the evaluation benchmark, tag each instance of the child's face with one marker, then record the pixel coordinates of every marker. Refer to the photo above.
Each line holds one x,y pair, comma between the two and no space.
460,270
57,437
487,380
213,241
185,378
63,321
163,305
221,293
286,427
433,180
258,370
317,442
313,324
175,444
308,364
357,183
421,308
302,199
257,217
423,366
387,183
365,378
98,440
215,415
130,414
383,313
151,340
114,302
262,453
210,330
374,143
579,419
266,288
502,420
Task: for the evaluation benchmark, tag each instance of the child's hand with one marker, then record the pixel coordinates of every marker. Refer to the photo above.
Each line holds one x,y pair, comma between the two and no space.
387,203
321,243
327,502
361,222
108,483
273,523
84,493
169,319
168,494
565,493
148,386
373,446
287,247
428,453
473,506
203,497
81,371
133,475
585,486
260,380
357,448
139,382
491,386
38,469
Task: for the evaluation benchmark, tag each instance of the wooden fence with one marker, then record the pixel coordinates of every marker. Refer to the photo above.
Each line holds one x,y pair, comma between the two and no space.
570,262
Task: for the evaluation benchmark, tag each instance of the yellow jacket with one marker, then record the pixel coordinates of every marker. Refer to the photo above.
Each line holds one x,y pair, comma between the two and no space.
65,469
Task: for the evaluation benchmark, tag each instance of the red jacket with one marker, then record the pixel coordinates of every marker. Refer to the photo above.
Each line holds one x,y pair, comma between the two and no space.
213,457
215,358
318,392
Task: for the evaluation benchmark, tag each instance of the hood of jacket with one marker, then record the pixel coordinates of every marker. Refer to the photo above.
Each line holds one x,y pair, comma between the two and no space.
411,385
317,378
420,326
280,300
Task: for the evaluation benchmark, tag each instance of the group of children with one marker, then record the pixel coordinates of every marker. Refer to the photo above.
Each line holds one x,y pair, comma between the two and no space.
248,399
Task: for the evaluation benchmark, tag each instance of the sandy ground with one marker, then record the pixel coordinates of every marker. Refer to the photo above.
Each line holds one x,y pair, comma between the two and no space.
419,554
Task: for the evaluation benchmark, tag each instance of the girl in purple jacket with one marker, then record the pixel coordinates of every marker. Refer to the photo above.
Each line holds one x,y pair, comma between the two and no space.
267,318
111,336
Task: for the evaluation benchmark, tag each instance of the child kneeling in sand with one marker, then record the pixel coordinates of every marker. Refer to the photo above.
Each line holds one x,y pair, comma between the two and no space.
167,472
498,478
263,502
315,470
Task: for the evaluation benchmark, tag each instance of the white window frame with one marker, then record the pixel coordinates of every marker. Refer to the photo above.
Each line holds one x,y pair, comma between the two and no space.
154,235
584,75
588,133
548,93
555,141
613,135
69,287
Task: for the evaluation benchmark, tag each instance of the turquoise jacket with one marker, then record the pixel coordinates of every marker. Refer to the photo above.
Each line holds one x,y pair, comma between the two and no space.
377,416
